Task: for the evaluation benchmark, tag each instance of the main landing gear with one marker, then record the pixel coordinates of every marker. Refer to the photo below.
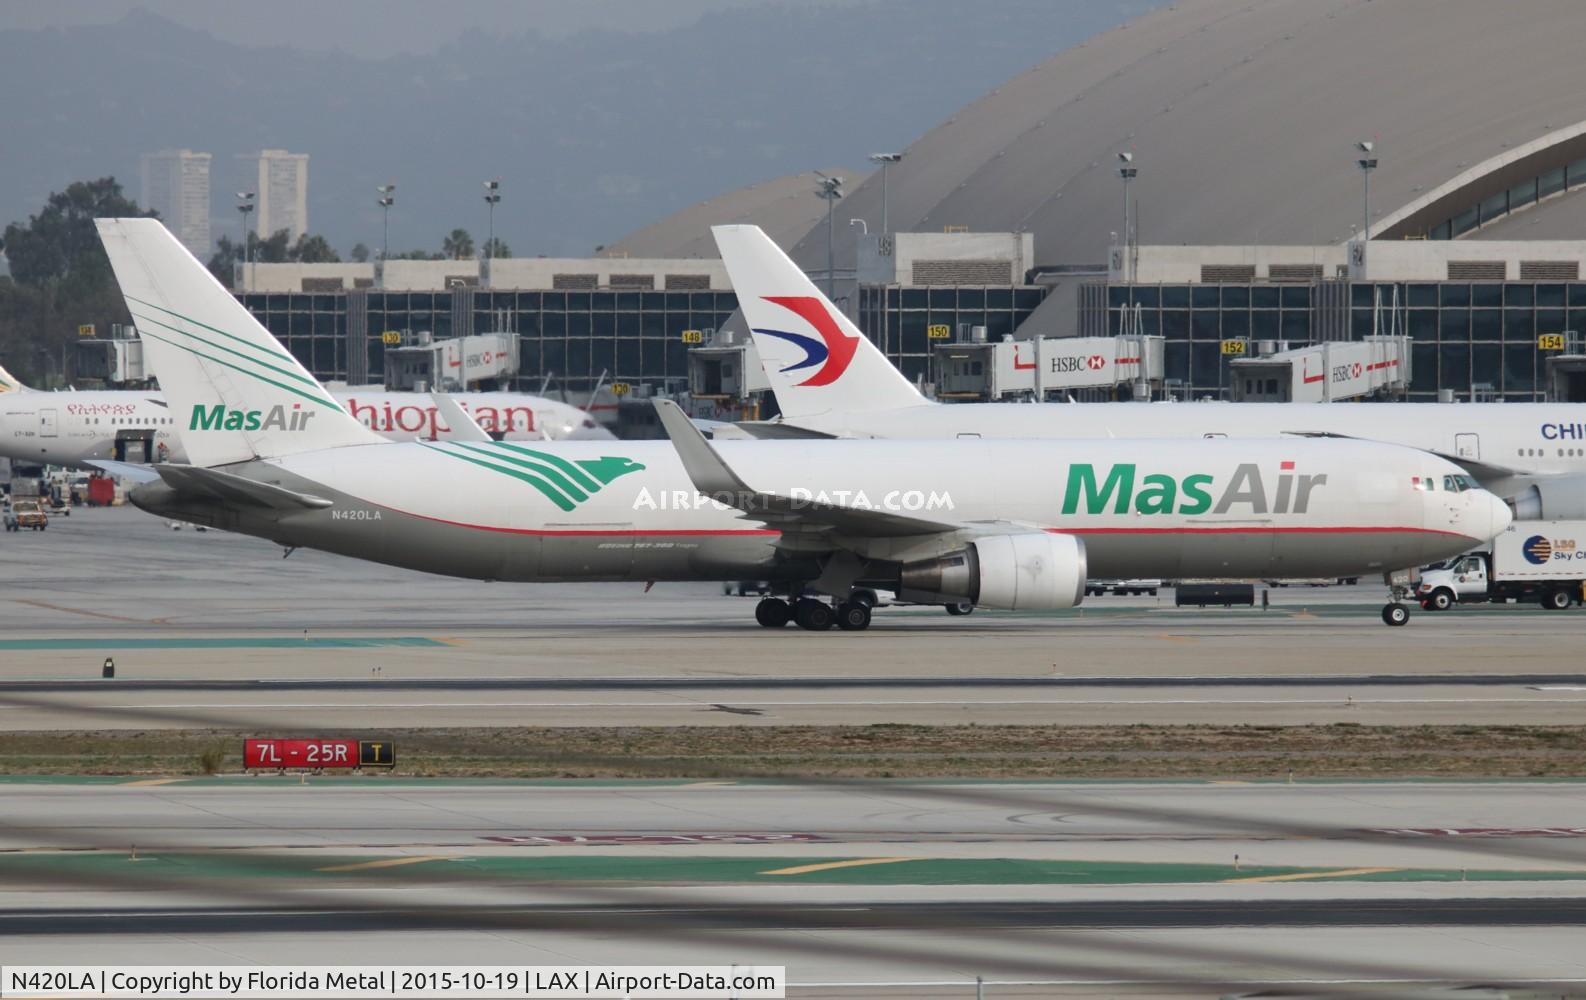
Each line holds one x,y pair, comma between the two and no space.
815,615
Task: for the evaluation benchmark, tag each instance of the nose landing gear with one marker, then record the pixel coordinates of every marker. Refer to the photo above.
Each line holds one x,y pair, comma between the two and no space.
1396,612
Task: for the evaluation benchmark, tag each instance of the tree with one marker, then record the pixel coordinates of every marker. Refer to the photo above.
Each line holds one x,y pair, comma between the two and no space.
60,278
458,245
313,250
360,253
61,243
276,249
496,248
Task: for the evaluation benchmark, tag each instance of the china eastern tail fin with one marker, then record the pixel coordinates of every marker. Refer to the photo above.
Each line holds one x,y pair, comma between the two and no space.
815,359
9,383
235,392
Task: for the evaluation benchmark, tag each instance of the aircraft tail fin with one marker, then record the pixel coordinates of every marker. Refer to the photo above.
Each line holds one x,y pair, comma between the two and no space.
816,360
236,393
10,383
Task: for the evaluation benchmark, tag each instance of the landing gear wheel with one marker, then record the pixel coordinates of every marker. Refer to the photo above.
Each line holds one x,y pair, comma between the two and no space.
816,616
1441,600
961,608
1395,614
1556,600
772,612
853,616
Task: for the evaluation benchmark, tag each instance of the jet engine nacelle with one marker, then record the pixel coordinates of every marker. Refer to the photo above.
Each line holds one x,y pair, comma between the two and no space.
1561,499
1036,571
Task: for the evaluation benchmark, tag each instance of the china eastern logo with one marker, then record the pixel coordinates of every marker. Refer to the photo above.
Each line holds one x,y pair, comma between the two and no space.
833,351
566,483
223,418
1116,492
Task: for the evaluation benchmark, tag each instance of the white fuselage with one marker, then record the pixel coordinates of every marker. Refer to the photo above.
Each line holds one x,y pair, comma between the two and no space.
1544,439
72,428
628,510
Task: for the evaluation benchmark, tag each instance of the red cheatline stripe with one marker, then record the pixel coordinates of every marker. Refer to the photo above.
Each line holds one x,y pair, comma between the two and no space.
1313,378
1297,530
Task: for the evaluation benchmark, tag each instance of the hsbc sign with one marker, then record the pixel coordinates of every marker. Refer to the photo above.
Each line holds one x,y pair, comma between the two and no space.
1078,363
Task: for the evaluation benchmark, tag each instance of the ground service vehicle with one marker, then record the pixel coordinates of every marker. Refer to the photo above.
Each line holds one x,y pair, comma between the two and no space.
1543,561
26,514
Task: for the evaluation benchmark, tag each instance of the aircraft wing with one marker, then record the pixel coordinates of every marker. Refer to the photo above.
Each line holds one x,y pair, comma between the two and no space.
1485,472
216,485
713,478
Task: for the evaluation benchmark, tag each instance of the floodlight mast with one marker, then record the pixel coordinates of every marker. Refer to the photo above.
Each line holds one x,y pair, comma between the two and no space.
387,198
831,189
1367,163
886,160
492,198
245,205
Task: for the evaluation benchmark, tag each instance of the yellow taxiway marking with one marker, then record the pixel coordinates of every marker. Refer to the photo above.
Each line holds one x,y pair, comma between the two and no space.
1335,873
1168,637
829,865
382,863
150,782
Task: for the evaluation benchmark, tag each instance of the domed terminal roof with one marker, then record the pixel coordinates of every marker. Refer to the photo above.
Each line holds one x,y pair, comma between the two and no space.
1243,117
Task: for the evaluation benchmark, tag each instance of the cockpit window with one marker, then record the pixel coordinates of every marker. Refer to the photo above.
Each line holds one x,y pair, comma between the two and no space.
1459,484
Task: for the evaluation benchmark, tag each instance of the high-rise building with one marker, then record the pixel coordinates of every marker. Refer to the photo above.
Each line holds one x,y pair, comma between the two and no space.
281,179
176,184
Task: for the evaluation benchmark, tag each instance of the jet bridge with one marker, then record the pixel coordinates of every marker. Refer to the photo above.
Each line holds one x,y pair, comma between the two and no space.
1091,367
1319,373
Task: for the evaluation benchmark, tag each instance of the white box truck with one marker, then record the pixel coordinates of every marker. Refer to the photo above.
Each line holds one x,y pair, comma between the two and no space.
1542,561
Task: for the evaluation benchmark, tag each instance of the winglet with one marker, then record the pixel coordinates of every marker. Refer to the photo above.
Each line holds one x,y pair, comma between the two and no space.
10,383
463,426
711,476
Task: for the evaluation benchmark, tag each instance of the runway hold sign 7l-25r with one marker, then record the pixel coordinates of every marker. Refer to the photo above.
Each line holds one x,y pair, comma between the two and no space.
316,755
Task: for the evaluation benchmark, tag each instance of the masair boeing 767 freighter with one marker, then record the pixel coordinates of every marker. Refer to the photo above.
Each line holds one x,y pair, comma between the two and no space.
1002,524
830,380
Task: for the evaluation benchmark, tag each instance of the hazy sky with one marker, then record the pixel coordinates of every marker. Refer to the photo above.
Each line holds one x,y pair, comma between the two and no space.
372,28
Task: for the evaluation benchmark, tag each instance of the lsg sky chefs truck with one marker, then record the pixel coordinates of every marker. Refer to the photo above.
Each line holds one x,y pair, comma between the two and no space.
1543,561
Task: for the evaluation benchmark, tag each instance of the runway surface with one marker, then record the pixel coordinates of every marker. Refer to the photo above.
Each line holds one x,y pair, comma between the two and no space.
242,637
855,883
1079,889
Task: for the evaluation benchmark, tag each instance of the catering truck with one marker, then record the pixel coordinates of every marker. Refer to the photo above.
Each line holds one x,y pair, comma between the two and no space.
1543,561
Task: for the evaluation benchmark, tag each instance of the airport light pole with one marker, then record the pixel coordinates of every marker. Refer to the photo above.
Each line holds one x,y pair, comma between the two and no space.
385,201
1127,170
492,197
886,160
245,207
831,189
1367,163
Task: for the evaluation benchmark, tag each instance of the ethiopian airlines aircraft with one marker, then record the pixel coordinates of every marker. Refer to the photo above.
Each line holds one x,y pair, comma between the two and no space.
1005,524
77,428
830,380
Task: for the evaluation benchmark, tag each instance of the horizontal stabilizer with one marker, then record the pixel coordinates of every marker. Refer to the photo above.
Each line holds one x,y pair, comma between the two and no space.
213,484
125,470
776,430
